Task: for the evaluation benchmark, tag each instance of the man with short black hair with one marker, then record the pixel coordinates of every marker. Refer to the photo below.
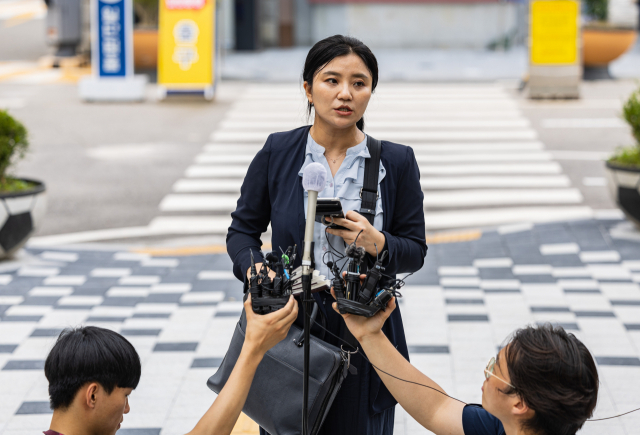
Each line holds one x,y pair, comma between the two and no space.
92,371
543,382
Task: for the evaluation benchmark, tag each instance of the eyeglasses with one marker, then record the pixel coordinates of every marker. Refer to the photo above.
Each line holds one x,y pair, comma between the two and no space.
488,371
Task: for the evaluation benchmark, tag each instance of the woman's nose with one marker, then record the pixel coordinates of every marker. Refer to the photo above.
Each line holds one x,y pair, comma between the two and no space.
345,93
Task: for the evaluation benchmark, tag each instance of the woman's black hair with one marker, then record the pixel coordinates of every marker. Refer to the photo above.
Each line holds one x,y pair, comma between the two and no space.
555,375
328,49
89,354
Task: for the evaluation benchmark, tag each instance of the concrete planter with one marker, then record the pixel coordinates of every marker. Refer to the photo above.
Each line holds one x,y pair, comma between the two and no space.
601,45
20,214
145,49
624,184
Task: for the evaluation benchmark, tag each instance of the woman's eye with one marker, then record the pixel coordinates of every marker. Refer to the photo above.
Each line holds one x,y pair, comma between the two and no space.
359,83
332,81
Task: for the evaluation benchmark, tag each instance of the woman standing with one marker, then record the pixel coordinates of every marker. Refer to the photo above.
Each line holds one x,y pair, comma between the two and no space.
340,74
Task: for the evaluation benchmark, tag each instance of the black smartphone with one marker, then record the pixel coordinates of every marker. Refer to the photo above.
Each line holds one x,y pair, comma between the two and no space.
329,207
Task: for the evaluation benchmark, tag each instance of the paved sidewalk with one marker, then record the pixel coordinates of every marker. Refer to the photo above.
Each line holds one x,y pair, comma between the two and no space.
285,65
180,311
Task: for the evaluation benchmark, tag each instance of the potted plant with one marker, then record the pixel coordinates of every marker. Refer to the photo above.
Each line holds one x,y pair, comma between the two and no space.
604,38
145,34
22,200
623,167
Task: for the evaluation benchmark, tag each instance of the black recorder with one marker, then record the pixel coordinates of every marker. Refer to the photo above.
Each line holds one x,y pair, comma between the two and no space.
329,208
364,299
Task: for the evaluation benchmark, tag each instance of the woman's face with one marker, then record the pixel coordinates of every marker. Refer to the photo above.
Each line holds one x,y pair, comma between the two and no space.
341,91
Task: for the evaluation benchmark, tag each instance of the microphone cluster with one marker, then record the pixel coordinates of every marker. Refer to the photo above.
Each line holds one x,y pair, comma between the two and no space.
364,299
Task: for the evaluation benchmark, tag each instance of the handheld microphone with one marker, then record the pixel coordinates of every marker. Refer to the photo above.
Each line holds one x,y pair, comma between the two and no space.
313,180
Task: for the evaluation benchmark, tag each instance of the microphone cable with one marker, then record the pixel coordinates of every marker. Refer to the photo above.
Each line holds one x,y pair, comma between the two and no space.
357,350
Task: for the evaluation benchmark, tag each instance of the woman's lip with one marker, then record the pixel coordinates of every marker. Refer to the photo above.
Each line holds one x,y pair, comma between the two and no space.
344,113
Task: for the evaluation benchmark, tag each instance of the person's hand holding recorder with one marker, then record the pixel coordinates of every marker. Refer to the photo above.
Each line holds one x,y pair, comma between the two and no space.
265,331
356,224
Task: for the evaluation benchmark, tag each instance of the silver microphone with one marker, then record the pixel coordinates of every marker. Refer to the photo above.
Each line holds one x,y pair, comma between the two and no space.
313,180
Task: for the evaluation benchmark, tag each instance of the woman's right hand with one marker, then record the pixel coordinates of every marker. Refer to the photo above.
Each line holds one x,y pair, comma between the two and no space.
265,331
272,273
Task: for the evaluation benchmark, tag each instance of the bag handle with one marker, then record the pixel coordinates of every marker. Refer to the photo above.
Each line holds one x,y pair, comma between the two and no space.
369,191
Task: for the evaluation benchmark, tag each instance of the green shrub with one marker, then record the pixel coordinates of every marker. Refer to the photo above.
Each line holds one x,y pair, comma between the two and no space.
630,156
13,146
597,9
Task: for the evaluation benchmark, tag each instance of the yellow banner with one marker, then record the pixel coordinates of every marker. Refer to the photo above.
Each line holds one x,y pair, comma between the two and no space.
185,43
554,32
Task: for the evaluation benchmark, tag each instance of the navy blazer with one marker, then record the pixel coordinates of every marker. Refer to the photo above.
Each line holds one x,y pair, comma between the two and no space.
272,193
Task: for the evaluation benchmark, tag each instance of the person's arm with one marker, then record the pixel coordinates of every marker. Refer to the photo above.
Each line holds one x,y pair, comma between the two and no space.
406,240
252,215
262,333
433,410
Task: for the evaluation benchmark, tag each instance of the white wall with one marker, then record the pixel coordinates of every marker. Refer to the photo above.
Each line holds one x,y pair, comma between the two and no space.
416,25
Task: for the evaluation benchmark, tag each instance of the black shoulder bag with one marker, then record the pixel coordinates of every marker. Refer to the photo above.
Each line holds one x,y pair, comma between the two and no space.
275,397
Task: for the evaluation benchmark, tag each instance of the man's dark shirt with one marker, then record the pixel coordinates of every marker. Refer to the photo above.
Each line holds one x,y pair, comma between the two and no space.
477,421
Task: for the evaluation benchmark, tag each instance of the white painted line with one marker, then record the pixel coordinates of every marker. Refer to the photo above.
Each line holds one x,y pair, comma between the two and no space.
398,136
11,300
588,284
89,236
65,280
532,269
130,256
492,262
160,262
212,171
490,181
460,282
473,198
11,103
599,256
516,228
81,300
129,292
171,288
51,291
475,218
484,157
504,284
559,248
594,181
424,124
516,168
207,158
139,280
258,114
110,272
583,123
457,271
216,275
190,225
28,310
5,279
632,265
609,271
59,256
199,202
611,214
207,185
38,271
195,297
391,104
570,272
235,148
594,156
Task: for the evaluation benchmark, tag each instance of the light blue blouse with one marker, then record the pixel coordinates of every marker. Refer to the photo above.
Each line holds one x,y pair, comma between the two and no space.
346,186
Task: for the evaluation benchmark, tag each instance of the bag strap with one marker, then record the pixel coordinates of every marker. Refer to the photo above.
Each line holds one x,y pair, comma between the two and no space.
369,191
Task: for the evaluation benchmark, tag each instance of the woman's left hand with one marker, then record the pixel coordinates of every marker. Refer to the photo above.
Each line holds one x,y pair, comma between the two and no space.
355,223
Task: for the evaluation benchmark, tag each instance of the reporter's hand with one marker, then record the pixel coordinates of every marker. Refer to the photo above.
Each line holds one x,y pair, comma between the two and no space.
355,222
361,327
265,331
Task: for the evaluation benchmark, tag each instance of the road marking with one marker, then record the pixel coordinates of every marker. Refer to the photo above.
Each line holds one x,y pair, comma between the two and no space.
199,202
516,168
594,181
396,125
495,197
583,123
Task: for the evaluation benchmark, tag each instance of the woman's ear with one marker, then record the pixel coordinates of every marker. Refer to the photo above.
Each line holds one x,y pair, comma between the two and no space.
307,91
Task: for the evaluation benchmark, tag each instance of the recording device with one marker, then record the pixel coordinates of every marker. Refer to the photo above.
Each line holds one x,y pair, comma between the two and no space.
271,294
329,208
364,299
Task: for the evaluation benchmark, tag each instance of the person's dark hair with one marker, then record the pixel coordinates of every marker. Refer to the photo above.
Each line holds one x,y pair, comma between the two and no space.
89,354
328,49
555,375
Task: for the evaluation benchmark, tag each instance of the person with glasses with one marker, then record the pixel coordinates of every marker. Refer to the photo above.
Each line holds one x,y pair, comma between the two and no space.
543,382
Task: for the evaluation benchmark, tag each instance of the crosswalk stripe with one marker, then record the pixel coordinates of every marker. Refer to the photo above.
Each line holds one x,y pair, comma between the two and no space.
396,125
496,216
249,115
209,158
199,202
397,136
487,103
435,147
203,185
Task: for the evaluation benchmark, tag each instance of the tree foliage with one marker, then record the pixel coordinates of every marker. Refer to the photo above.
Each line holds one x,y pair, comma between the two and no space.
597,9
13,142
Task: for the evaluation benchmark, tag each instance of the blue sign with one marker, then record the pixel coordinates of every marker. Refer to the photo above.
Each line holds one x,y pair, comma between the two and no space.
112,54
